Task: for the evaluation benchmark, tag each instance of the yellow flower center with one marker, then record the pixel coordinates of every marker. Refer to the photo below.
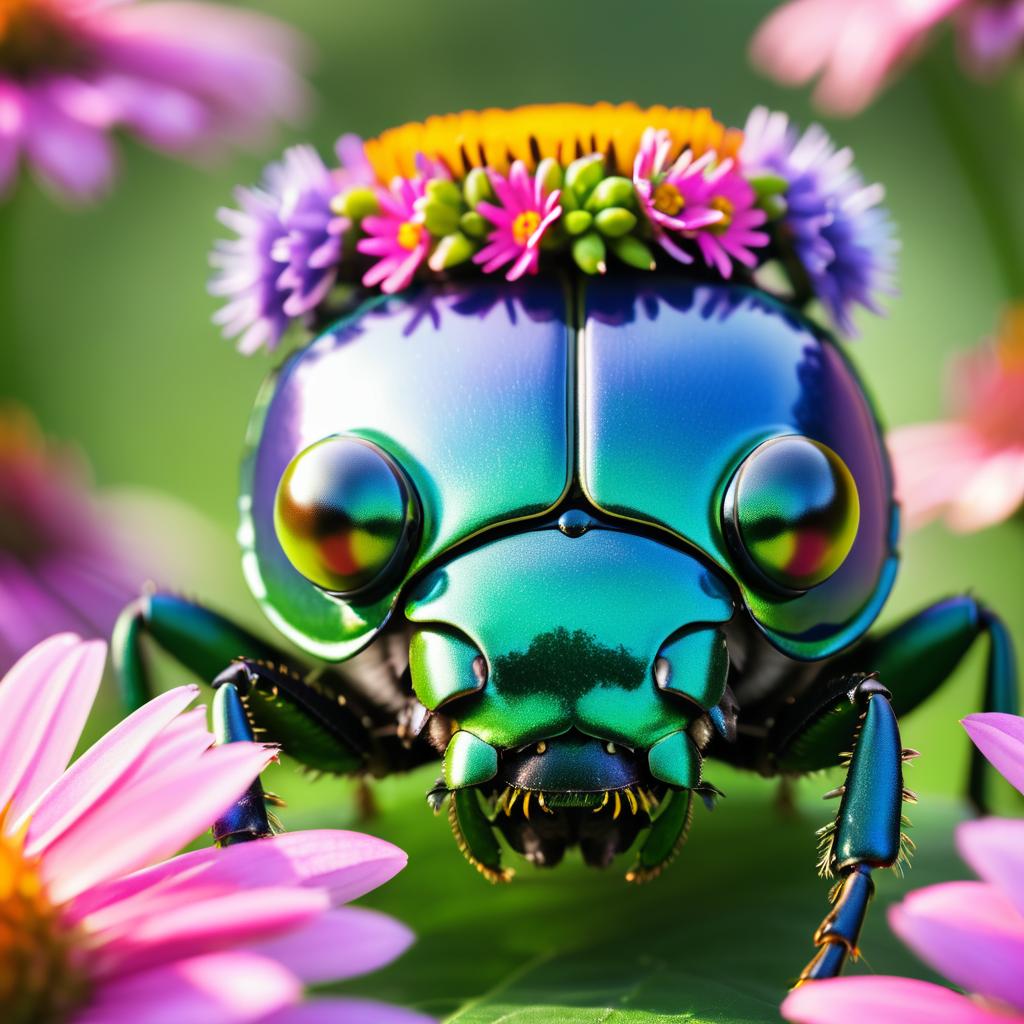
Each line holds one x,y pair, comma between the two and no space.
724,207
524,226
40,980
668,199
409,235
33,36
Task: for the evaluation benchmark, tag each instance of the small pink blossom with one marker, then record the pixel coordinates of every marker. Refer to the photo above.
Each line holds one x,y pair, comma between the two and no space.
971,932
397,235
969,469
725,190
183,77
527,210
672,195
116,931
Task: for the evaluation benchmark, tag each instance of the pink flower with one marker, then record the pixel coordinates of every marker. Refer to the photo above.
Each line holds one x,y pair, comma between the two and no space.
396,236
672,195
970,469
183,77
972,932
527,210
854,46
99,927
725,190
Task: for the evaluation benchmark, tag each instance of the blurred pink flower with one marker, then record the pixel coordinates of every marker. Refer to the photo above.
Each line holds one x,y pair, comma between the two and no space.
971,932
727,191
396,236
854,46
970,469
527,210
98,927
184,77
71,559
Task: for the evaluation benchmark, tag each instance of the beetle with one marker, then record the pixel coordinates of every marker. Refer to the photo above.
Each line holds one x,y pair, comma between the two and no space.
578,538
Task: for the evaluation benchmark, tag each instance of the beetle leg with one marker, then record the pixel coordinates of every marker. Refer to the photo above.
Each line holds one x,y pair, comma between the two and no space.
918,656
866,833
319,719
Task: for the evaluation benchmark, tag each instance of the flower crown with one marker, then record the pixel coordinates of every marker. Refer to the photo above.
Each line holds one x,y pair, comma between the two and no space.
510,191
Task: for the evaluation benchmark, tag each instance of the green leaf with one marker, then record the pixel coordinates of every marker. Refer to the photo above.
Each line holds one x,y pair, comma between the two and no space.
716,938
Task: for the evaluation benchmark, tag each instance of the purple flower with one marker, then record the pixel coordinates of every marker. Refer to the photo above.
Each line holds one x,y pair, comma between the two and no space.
972,932
835,224
672,195
396,235
991,35
285,257
183,77
527,210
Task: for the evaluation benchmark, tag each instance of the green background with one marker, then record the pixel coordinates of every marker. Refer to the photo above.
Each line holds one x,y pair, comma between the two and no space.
106,336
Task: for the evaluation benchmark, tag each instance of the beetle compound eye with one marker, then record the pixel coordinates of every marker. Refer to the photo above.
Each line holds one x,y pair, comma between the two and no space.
345,514
792,511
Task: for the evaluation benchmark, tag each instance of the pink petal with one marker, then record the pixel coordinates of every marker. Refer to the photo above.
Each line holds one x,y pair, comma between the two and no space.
994,848
101,766
71,156
198,927
1000,738
346,864
220,988
969,932
153,818
30,699
882,1000
347,1011
74,685
340,944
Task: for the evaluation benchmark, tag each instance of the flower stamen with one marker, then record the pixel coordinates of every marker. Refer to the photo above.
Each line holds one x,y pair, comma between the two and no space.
409,235
524,226
668,199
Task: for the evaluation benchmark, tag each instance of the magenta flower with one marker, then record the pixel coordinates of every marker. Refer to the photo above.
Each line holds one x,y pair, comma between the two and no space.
396,236
971,932
672,195
854,46
527,210
285,256
184,77
99,927
969,469
725,190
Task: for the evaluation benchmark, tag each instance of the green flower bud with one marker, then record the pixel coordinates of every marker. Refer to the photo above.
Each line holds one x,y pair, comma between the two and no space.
577,221
444,192
615,222
452,250
474,224
633,252
549,172
356,203
583,174
589,253
477,187
768,184
440,218
774,206
613,191
568,201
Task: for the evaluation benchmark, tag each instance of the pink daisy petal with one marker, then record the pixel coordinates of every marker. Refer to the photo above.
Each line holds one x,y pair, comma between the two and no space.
347,1011
156,813
994,848
73,685
969,932
220,988
196,927
345,864
102,766
1000,738
339,944
882,1000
